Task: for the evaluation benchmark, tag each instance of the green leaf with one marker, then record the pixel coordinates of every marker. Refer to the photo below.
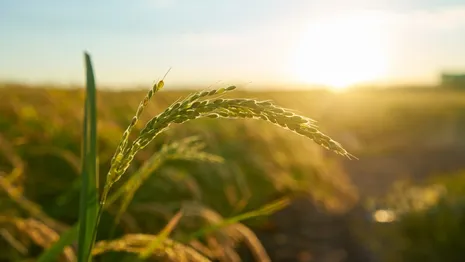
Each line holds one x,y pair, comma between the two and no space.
263,211
51,254
88,205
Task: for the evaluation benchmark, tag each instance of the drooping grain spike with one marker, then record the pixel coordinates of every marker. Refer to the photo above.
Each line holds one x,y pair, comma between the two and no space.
192,108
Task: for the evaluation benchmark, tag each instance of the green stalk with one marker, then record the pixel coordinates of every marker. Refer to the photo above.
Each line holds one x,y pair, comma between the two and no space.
88,208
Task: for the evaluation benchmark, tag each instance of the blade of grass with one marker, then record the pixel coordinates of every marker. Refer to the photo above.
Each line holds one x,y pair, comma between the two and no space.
88,205
51,254
264,211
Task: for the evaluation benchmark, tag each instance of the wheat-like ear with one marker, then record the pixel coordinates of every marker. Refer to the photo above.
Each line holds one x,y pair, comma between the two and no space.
169,249
189,148
230,232
193,107
39,233
32,208
8,152
125,139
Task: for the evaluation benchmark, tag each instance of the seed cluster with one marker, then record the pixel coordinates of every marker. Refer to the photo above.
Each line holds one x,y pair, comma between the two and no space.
198,106
170,250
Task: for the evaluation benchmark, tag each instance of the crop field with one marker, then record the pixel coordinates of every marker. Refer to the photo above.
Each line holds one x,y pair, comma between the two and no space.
281,196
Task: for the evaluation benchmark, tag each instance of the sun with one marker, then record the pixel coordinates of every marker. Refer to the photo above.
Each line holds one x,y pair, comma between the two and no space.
341,51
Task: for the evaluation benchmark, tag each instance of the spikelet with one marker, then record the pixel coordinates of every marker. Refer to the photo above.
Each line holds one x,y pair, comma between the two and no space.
188,149
40,234
122,147
169,250
230,234
32,208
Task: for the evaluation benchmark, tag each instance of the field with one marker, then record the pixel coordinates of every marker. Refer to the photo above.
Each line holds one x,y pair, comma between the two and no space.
396,134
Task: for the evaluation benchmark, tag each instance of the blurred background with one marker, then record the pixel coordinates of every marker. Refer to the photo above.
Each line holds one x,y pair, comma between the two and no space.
386,79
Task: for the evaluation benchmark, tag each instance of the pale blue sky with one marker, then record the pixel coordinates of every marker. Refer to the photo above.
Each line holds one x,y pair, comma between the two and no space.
236,42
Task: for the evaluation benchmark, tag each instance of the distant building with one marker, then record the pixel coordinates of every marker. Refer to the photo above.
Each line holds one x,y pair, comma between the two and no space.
453,80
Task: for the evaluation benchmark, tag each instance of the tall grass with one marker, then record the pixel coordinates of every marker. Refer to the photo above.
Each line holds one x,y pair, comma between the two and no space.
262,161
203,104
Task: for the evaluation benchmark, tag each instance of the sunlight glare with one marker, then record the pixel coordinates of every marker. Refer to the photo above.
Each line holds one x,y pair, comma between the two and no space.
384,216
342,51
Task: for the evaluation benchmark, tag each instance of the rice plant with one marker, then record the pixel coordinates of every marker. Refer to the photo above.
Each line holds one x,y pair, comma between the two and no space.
198,105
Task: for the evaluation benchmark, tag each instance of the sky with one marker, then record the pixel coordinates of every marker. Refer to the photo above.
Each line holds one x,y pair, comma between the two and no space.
253,43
